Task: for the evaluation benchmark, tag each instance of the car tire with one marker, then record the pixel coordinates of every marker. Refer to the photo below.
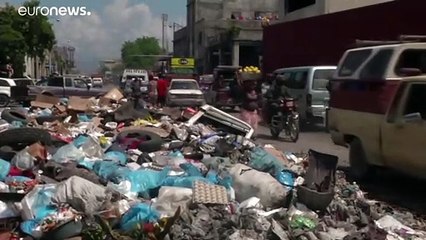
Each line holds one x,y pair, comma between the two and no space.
11,115
19,138
153,141
4,100
359,166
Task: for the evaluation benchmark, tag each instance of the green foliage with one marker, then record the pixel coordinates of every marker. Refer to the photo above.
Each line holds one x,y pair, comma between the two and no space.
21,35
141,46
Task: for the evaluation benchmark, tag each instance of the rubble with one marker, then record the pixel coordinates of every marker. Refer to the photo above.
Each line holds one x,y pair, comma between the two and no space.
99,169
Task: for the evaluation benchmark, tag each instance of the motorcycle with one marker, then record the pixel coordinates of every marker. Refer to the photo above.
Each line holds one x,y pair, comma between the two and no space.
286,118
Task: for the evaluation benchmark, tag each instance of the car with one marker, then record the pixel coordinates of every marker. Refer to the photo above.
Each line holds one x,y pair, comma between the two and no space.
5,88
184,93
97,82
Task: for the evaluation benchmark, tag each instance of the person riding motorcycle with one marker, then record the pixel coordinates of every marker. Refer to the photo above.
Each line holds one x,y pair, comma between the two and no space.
277,92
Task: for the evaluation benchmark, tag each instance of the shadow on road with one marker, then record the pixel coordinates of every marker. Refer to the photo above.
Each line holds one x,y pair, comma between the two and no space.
269,137
312,128
395,189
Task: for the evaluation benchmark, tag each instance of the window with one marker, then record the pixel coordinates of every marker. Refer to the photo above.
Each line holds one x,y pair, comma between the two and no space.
416,100
68,82
376,67
353,61
23,82
412,58
293,5
298,80
184,85
4,83
200,38
55,82
321,78
80,83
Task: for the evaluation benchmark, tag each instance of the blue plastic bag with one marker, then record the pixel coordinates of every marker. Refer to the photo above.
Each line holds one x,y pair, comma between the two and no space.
226,182
176,154
107,169
30,227
84,118
4,169
144,180
140,213
263,161
42,206
67,153
86,164
80,140
286,178
185,182
191,170
116,156
212,176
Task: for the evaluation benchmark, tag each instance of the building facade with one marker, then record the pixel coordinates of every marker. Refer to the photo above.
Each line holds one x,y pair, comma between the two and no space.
224,32
290,10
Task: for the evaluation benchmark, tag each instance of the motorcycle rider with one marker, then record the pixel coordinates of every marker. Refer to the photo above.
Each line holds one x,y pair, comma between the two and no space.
277,92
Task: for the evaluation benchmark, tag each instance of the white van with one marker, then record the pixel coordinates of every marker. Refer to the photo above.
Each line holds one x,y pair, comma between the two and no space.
309,85
128,74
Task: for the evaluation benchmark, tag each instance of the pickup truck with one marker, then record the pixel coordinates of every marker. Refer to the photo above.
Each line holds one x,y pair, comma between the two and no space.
378,108
59,86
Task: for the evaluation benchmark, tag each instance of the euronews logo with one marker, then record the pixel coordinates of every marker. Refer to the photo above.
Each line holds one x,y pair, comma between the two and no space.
53,11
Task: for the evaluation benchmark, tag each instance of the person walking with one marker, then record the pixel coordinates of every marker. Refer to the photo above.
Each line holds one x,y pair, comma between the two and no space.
153,93
249,108
162,87
136,91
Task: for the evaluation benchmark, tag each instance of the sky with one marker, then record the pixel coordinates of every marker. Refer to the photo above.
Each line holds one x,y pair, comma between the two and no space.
112,22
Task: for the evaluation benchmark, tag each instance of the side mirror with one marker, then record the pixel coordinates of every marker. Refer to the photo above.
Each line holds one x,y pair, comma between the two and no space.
413,118
409,72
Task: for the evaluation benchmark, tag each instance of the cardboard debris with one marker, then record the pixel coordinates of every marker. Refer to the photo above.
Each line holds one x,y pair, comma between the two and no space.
209,194
44,101
79,104
114,94
38,151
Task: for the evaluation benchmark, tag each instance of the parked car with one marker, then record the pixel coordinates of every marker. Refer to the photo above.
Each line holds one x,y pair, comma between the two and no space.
5,88
377,108
60,86
97,82
184,92
308,85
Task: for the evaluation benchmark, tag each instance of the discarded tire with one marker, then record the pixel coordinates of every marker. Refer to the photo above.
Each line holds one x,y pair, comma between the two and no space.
19,138
151,141
13,115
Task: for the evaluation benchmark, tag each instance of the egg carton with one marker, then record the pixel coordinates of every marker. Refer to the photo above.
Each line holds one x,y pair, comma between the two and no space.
205,193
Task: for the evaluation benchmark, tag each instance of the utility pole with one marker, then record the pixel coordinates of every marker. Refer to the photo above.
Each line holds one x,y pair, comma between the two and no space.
164,22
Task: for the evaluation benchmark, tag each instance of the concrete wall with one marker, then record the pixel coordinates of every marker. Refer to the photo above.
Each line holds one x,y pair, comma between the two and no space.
342,5
323,7
248,7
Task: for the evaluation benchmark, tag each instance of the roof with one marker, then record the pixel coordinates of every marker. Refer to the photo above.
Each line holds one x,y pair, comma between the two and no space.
305,67
184,80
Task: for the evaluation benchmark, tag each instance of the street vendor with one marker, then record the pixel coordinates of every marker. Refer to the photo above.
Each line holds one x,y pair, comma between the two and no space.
249,111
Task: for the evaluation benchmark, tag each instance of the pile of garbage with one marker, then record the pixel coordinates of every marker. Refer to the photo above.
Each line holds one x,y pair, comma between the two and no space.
99,169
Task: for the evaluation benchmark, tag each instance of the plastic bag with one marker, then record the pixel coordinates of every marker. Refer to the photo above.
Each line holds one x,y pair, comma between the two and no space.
32,228
8,210
80,140
145,180
92,148
4,169
116,156
286,178
19,179
83,118
68,153
138,214
263,161
107,169
37,203
23,160
191,170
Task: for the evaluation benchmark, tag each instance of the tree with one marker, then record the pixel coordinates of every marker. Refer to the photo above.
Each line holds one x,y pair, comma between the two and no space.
141,46
23,35
12,41
37,31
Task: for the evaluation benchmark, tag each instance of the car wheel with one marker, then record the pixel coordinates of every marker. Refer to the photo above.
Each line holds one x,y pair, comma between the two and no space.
152,142
4,100
19,138
359,166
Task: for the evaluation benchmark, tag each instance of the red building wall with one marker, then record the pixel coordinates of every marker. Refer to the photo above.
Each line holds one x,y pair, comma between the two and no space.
322,40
